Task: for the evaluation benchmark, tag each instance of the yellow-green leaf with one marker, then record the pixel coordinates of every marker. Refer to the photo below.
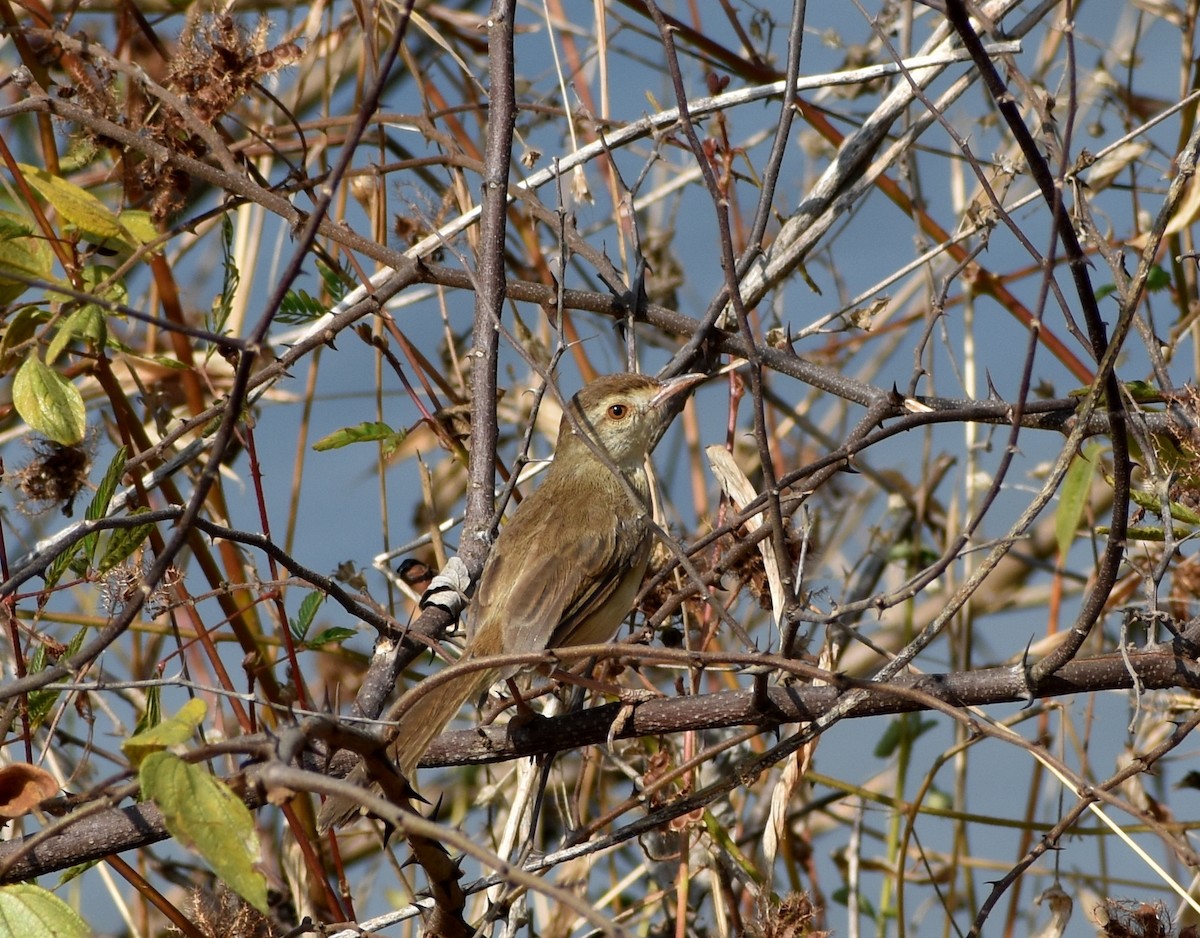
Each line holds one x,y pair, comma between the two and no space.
140,225
1152,502
22,260
93,275
172,731
87,322
1072,498
78,207
27,910
49,403
203,814
17,331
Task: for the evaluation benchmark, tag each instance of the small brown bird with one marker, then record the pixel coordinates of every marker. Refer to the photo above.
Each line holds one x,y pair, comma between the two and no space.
565,569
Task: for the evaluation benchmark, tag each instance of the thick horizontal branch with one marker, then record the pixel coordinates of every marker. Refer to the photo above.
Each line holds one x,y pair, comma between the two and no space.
1155,667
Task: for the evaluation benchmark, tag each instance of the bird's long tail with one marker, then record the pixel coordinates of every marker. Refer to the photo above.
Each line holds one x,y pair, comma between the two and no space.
419,725
424,721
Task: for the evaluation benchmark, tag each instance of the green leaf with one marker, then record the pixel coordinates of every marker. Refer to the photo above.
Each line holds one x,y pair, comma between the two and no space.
308,611
74,872
21,260
87,322
41,702
19,329
298,308
98,279
841,896
140,224
335,282
730,848
1157,279
122,543
329,636
49,403
1151,502
15,226
1072,497
81,151
78,207
29,911
59,566
174,731
107,486
202,813
901,731
370,432
1142,391
152,715
98,507
222,305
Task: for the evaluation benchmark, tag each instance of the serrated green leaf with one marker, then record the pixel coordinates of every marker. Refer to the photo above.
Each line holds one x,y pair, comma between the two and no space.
29,911
1072,498
78,207
122,543
79,564
59,566
152,715
74,872
369,432
41,702
222,304
1157,279
308,611
98,506
203,814
49,403
329,636
173,731
37,662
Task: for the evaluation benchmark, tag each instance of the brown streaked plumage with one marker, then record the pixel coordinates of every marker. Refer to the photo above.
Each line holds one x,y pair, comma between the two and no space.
565,570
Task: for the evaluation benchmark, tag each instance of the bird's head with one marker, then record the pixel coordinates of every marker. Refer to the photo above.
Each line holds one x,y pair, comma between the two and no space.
625,414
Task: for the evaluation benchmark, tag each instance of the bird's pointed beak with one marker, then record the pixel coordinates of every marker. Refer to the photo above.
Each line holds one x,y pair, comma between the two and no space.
673,387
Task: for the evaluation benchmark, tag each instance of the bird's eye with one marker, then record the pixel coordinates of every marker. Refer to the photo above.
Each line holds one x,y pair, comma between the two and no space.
617,411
